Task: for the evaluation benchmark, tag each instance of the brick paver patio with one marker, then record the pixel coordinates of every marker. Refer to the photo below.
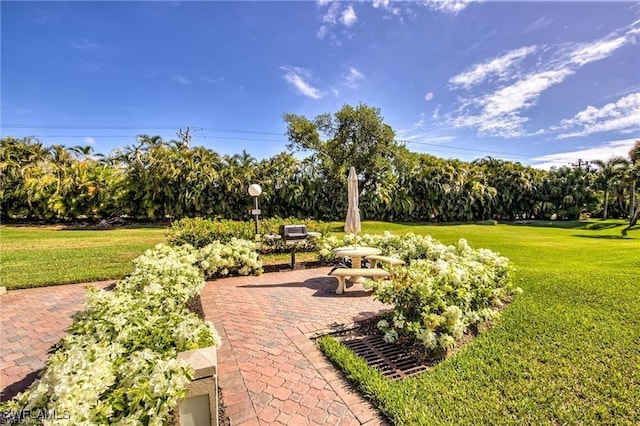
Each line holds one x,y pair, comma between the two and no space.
270,370
31,322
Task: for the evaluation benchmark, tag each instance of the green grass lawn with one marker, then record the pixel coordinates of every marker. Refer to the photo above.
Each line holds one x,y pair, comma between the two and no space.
36,256
566,351
33,256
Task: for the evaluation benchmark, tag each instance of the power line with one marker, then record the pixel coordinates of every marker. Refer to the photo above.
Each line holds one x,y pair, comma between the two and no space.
115,127
466,149
129,136
438,147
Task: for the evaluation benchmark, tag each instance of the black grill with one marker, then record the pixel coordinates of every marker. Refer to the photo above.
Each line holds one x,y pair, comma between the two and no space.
293,233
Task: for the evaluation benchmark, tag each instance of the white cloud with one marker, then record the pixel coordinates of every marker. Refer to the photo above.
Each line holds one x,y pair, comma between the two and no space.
209,80
323,2
335,92
89,140
521,94
537,24
622,115
500,67
591,52
84,45
353,78
322,32
296,77
181,79
348,17
448,6
421,133
331,16
499,112
506,126
436,113
381,4
335,16
603,151
420,123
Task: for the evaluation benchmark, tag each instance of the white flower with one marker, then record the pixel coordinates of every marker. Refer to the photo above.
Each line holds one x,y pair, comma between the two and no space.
446,341
390,336
427,337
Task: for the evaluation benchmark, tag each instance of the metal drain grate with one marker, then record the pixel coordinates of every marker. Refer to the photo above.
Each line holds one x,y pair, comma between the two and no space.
388,358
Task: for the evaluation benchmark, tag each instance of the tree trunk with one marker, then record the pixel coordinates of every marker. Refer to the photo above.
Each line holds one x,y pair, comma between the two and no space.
632,199
632,221
606,203
635,217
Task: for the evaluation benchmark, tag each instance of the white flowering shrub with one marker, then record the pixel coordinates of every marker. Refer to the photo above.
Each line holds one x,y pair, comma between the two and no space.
441,292
234,257
118,363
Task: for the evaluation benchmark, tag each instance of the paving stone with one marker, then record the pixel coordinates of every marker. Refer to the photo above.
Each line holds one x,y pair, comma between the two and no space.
318,416
337,408
289,406
298,420
282,393
270,372
309,401
283,418
268,414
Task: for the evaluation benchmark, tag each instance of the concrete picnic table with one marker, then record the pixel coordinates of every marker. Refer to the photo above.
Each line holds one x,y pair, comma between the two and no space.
356,253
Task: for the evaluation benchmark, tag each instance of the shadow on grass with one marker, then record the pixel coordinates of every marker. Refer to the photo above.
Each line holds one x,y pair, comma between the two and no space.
604,237
114,228
86,226
477,222
561,224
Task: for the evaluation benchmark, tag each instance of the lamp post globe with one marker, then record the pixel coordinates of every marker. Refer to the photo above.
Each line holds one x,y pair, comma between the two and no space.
255,190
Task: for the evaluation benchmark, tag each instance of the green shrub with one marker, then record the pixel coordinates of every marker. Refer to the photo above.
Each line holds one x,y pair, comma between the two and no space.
442,292
200,232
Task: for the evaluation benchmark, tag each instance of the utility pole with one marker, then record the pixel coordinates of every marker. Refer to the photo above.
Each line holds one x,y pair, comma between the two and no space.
581,163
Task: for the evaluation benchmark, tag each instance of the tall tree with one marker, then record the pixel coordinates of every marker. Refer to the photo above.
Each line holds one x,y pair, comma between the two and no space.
353,136
634,172
610,172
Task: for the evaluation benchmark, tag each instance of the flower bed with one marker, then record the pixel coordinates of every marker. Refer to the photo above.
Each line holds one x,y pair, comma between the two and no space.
442,292
118,362
218,259
200,232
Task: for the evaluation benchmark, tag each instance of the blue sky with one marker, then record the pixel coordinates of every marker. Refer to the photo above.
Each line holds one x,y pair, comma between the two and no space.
543,83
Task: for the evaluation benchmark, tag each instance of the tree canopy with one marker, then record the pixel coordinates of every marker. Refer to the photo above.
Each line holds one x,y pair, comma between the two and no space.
154,179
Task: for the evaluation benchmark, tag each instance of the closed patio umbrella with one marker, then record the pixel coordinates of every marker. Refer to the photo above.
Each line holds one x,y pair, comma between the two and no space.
352,222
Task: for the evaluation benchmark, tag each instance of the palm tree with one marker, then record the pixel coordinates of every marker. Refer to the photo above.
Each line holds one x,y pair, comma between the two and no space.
610,173
634,172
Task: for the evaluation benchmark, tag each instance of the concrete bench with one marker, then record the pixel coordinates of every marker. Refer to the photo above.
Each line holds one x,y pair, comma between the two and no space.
374,259
342,273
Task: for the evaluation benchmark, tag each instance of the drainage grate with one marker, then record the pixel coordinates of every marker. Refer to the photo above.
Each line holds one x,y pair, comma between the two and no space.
388,358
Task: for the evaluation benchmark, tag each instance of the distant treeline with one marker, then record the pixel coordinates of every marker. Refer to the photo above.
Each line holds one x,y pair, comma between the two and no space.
155,180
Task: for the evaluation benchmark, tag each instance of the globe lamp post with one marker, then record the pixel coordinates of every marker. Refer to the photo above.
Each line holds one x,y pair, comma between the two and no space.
255,190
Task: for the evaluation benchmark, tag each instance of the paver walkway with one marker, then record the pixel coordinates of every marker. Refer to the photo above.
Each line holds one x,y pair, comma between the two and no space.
270,370
31,322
